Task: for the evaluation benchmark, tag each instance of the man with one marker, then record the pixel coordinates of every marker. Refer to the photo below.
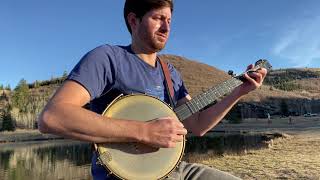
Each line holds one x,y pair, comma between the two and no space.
109,70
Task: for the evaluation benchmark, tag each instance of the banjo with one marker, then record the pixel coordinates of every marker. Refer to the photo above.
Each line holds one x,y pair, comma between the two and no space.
137,161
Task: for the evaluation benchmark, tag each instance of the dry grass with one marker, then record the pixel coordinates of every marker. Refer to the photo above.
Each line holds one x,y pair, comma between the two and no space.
295,157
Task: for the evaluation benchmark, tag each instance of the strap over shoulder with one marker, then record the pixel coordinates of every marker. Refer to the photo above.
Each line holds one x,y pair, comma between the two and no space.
168,80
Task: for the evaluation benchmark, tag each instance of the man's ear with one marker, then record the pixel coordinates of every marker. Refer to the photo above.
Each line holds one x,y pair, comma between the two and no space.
132,20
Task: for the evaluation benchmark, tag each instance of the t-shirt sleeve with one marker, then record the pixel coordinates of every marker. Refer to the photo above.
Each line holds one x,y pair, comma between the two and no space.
95,71
180,90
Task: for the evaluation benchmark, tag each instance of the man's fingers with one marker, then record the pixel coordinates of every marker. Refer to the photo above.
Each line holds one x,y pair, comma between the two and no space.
178,138
250,79
182,131
250,67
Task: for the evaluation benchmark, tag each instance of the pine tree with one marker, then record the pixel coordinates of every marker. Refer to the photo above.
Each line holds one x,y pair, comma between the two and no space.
21,95
8,123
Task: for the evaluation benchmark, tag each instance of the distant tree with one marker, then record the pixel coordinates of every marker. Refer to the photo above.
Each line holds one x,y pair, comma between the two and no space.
4,96
1,87
8,123
21,95
36,84
234,115
64,75
284,108
8,87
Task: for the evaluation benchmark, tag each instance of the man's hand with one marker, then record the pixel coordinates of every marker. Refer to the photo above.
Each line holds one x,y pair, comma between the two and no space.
163,132
254,80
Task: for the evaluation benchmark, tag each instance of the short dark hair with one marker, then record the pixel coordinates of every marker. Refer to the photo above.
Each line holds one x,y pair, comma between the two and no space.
141,7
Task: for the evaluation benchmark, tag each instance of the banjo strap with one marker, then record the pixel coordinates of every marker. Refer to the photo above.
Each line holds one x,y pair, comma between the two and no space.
168,81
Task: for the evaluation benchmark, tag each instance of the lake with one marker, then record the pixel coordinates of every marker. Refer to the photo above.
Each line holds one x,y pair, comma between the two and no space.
60,159
66,159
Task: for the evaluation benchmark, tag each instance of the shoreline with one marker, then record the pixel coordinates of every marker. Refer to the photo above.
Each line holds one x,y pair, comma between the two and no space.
256,126
25,136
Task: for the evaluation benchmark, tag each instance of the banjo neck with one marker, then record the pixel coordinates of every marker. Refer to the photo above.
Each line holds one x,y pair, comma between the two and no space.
213,94
206,99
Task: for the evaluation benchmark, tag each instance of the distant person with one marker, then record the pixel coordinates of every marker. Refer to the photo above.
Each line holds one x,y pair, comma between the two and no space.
135,68
269,118
290,120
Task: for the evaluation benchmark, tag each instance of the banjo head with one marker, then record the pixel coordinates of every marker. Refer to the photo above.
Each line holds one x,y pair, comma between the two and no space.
137,160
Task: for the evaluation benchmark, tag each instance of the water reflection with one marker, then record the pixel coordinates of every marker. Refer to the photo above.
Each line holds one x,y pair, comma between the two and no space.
63,159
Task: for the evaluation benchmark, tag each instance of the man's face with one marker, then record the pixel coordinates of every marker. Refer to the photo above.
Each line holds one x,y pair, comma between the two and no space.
153,30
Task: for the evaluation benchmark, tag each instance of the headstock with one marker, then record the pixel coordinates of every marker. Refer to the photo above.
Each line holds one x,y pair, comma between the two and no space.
261,63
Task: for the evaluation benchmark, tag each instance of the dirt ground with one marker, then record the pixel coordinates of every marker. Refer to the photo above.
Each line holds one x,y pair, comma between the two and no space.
294,157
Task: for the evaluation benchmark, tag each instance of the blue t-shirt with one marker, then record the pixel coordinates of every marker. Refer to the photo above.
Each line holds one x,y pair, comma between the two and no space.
108,71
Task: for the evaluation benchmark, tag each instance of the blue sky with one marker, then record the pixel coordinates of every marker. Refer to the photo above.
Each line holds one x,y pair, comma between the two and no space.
41,39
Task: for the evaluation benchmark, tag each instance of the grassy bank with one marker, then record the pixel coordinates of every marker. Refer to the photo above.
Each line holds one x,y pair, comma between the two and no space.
294,157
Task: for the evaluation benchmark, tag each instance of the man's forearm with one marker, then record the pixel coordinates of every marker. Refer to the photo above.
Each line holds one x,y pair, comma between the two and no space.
77,123
205,120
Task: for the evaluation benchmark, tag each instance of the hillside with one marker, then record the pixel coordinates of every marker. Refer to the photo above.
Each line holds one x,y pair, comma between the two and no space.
197,77
285,91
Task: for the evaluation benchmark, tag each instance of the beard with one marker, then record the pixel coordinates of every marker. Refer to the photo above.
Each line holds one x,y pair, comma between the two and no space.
153,41
158,46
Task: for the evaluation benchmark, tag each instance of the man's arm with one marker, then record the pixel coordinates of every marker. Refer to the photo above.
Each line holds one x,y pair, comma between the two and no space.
64,116
203,121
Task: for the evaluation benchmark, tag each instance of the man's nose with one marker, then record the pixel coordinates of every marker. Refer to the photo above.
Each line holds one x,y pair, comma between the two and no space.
165,26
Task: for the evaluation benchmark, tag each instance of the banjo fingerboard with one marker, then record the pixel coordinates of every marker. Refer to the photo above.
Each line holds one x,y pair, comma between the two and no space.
206,99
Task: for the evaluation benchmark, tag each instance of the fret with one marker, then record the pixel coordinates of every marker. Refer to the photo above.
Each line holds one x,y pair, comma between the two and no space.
183,112
216,93
191,107
221,93
186,110
212,95
200,98
194,108
232,83
206,99
195,101
198,102
224,88
229,87
179,113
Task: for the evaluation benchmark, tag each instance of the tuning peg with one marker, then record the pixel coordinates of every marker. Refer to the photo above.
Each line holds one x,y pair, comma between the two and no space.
230,72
